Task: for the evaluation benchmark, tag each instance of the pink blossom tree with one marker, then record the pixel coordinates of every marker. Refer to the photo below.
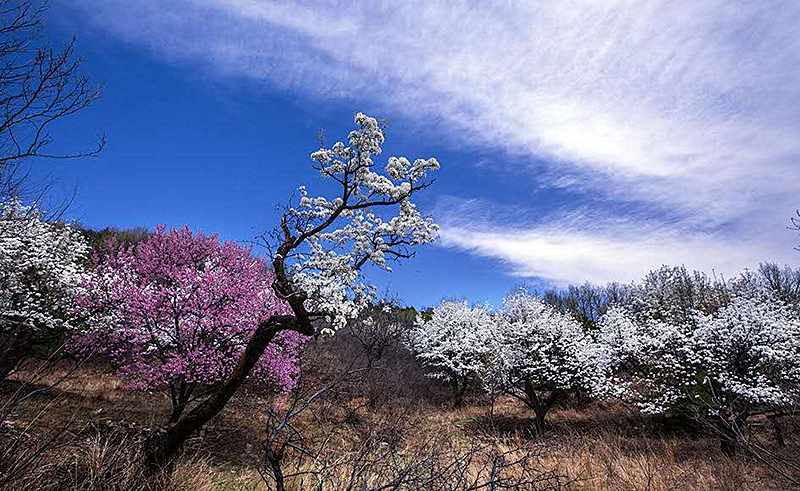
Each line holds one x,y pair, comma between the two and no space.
318,253
176,311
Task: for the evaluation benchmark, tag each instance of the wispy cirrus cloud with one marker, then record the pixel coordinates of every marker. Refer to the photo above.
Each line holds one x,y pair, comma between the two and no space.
688,109
571,247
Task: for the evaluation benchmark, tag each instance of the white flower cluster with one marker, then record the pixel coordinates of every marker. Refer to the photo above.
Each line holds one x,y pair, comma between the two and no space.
341,235
332,284
454,342
40,271
535,345
741,356
527,346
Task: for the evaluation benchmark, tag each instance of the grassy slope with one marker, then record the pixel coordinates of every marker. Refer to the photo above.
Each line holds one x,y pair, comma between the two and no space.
600,446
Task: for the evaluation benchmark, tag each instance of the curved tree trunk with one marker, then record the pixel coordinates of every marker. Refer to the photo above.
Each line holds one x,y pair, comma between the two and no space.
540,404
160,449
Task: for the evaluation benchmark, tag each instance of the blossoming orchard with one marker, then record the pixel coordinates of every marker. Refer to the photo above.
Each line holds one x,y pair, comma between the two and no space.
216,273
741,359
194,318
681,344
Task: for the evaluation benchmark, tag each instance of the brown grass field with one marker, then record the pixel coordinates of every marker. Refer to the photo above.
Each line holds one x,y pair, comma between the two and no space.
599,446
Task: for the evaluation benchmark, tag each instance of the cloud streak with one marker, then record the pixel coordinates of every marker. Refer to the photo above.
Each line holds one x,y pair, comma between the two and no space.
688,109
573,247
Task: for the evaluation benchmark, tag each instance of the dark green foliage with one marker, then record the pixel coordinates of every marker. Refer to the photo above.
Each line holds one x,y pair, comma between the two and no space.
99,240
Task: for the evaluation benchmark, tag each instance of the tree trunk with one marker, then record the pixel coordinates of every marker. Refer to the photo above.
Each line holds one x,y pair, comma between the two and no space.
459,389
177,410
180,392
728,434
7,365
728,445
777,430
14,347
540,412
277,473
539,404
161,448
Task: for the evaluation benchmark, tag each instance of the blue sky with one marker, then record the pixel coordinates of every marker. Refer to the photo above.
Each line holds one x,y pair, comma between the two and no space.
578,140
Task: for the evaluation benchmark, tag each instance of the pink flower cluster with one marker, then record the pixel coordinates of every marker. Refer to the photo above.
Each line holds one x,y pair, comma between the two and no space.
176,311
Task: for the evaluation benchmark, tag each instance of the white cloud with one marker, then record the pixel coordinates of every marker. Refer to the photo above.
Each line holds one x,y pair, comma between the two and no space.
575,257
686,107
585,244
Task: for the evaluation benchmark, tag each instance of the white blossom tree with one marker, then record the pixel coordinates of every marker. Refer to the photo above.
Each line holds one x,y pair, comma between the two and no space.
721,366
750,353
318,253
541,354
454,343
40,270
648,356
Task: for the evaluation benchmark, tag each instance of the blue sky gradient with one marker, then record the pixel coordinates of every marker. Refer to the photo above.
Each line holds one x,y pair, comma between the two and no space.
578,142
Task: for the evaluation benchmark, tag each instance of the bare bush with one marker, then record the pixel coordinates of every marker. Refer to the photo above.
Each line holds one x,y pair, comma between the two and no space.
783,281
587,302
44,447
774,441
39,86
437,466
325,435
381,328
26,445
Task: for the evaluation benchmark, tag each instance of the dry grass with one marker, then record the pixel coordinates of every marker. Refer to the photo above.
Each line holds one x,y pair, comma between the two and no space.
602,447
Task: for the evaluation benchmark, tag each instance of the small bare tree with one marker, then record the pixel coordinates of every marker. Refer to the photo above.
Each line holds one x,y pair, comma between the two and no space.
784,281
287,453
380,328
326,457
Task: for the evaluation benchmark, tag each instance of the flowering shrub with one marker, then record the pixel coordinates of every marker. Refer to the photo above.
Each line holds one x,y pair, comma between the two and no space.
175,312
40,268
750,353
541,354
720,364
454,343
